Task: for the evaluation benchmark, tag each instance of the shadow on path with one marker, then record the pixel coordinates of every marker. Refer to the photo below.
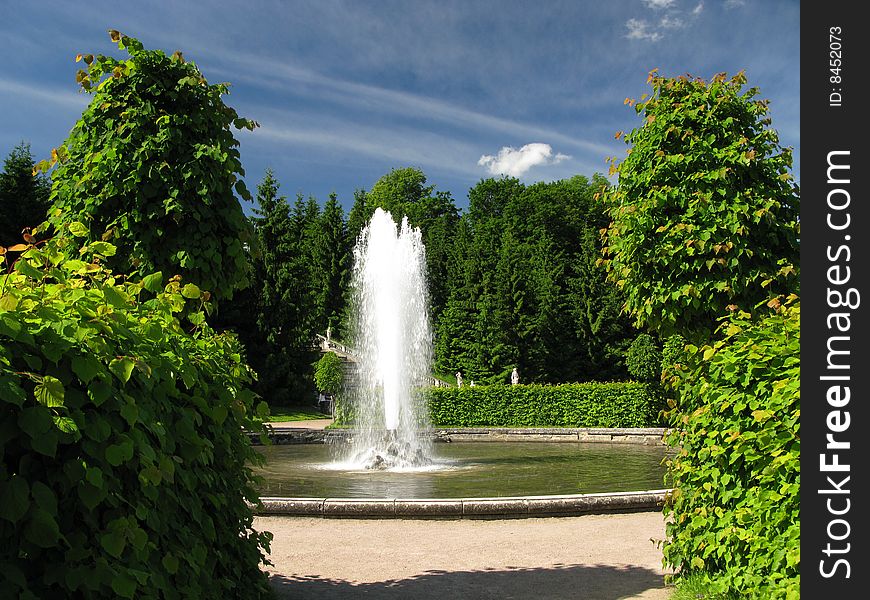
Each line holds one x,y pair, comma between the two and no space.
560,582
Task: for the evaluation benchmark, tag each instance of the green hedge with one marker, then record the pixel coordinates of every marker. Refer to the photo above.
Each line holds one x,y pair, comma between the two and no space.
123,461
734,516
620,404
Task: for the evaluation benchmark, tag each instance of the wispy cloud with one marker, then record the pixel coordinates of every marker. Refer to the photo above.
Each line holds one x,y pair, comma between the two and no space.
510,161
659,4
656,28
641,30
41,93
734,3
287,77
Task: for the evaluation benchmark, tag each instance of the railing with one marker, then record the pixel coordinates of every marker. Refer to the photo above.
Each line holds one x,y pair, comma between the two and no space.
326,344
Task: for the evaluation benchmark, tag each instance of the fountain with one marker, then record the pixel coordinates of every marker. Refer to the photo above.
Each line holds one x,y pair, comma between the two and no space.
393,346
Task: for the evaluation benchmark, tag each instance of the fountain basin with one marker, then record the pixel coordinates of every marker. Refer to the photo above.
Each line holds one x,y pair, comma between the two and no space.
474,479
457,508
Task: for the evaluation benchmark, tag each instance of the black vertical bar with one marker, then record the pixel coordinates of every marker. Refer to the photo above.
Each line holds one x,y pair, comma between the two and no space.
835,300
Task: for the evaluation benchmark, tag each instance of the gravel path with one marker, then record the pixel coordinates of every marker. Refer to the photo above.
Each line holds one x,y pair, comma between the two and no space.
590,557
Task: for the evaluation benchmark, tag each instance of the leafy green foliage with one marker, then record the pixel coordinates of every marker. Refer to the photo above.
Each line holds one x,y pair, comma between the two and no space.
525,290
281,348
123,458
644,359
153,167
569,405
23,195
734,515
404,193
329,373
705,216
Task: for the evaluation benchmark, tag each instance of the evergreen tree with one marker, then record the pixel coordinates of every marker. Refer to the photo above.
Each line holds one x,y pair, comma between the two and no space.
23,195
332,254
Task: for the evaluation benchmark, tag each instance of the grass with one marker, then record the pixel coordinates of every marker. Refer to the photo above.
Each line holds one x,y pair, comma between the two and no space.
695,588
282,414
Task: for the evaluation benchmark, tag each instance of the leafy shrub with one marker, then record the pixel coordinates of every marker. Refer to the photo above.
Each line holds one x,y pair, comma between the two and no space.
153,167
329,373
568,405
122,452
734,513
644,359
705,214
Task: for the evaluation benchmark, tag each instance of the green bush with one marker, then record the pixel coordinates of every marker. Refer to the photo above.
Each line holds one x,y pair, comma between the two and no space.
329,373
704,217
153,167
733,517
644,359
123,460
568,405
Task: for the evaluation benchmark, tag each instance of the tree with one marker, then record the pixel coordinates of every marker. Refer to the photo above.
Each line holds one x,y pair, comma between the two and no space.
404,193
286,313
23,195
152,165
704,218
332,255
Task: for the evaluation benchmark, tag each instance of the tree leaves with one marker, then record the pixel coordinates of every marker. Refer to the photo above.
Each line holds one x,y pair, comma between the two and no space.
676,222
122,367
81,436
172,216
49,391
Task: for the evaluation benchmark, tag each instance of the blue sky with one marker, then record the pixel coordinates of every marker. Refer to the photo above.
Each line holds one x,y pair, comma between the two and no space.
345,91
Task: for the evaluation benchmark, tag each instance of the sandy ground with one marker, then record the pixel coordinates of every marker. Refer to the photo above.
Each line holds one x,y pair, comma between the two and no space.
314,424
590,557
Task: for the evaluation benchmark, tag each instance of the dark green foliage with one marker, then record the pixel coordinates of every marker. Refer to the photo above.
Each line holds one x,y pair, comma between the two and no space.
568,405
733,518
124,467
329,373
281,351
404,193
23,195
705,216
644,359
525,288
153,167
332,261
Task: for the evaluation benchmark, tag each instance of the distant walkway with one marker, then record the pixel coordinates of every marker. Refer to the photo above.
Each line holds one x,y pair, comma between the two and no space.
312,424
590,557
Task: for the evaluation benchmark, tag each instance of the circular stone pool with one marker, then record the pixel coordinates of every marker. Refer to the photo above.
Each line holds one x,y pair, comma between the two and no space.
468,469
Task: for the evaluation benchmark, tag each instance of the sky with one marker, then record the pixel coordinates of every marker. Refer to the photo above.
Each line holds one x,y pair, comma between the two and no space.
345,91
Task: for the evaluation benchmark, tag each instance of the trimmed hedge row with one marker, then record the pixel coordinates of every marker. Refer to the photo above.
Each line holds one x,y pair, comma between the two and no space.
617,404
123,460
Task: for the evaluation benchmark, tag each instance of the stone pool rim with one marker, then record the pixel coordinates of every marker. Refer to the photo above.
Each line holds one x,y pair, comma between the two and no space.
459,508
287,434
482,507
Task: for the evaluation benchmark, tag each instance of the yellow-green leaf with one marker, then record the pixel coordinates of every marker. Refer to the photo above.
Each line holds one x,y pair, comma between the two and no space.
49,391
190,291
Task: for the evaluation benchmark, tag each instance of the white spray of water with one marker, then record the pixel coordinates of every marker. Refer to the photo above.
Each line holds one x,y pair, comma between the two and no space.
393,343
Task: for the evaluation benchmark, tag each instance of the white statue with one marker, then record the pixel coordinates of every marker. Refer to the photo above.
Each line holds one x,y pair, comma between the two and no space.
515,377
458,378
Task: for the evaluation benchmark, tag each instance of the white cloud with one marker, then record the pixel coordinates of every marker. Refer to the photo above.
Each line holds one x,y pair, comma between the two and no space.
659,4
697,10
640,30
671,23
513,162
734,3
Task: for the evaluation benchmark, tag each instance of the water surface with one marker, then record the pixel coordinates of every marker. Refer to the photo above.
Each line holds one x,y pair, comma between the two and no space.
469,469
